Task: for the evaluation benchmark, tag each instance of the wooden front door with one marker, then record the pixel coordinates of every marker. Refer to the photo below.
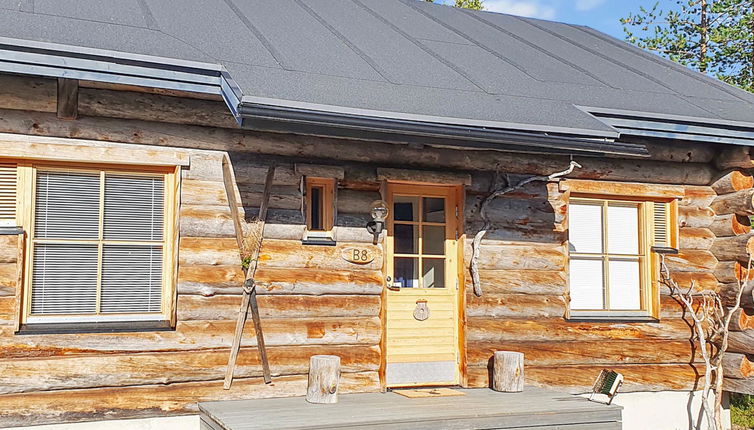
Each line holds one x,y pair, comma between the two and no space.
422,315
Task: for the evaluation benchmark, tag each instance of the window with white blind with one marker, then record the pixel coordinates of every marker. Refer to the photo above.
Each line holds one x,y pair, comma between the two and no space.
98,248
7,195
610,264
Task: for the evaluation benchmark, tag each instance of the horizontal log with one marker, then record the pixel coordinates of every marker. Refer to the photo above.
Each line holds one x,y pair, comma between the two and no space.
515,212
691,261
551,234
741,342
225,307
8,278
519,257
515,306
695,217
250,170
742,319
281,196
734,248
734,157
203,193
739,202
119,370
622,189
741,386
732,271
28,93
196,335
547,282
732,182
293,254
728,293
355,201
154,107
327,149
211,280
150,400
703,281
319,170
696,195
736,366
557,329
580,379
695,238
352,235
206,221
208,251
730,225
610,352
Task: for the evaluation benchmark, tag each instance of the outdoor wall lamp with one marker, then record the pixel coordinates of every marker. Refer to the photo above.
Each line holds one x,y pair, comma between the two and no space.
379,215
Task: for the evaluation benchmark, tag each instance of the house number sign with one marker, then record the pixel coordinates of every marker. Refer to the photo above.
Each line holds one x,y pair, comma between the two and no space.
359,254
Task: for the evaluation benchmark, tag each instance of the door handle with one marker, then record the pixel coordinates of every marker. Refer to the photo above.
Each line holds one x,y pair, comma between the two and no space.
389,284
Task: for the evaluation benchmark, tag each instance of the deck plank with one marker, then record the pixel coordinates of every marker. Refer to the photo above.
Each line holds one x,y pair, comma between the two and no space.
478,409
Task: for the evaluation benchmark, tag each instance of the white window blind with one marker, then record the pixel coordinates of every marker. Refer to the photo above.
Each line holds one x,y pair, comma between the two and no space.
98,243
605,255
7,195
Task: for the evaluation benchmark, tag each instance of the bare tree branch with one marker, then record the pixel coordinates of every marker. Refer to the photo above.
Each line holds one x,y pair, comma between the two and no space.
502,189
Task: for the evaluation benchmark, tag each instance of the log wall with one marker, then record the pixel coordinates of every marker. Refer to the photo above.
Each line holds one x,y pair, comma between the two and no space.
314,302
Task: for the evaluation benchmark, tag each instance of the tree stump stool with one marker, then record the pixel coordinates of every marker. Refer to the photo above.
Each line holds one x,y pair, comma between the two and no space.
324,377
508,371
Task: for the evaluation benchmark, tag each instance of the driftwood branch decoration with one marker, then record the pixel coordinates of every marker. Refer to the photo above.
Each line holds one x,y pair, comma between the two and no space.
711,324
499,191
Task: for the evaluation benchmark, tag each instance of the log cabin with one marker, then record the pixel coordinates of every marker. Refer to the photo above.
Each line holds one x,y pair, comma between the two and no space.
120,276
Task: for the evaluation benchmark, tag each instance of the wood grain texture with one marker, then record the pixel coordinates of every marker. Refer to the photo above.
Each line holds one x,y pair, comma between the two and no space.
731,182
739,202
150,400
611,351
579,379
736,366
695,238
734,248
120,370
547,282
730,225
695,217
508,371
515,305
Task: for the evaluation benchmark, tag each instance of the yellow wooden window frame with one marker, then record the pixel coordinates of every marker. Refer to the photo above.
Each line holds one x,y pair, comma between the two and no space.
27,174
327,201
648,261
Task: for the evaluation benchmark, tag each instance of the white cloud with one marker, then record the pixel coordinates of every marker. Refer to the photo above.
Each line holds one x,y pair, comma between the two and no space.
531,9
585,5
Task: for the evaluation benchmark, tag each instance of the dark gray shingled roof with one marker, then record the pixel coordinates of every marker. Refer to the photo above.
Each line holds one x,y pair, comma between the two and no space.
398,59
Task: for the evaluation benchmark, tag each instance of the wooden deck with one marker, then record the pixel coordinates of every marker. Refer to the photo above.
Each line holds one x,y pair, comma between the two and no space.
534,409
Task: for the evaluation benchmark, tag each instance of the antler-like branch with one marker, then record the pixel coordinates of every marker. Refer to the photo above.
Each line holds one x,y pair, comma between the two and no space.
488,224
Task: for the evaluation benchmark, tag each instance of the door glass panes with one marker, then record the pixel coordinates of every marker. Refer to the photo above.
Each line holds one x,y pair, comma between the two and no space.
433,273
419,241
433,242
407,272
406,208
406,239
433,209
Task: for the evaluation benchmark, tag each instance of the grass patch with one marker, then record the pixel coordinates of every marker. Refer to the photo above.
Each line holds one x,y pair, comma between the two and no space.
742,411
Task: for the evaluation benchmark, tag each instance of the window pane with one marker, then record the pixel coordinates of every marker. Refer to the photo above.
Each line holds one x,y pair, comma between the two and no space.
406,208
433,240
585,228
586,284
433,274
623,228
624,285
134,207
131,279
406,239
315,211
65,279
434,209
406,272
67,205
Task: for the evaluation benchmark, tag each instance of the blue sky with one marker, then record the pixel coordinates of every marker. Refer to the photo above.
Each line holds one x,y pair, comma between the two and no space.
603,15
